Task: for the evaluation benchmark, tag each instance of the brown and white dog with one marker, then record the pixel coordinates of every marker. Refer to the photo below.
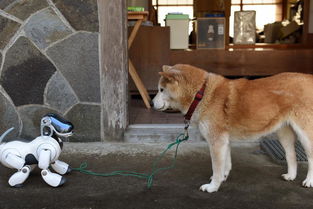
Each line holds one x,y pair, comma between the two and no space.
241,109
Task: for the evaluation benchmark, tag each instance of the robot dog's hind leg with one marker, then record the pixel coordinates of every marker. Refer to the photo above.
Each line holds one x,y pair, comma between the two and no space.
18,178
49,177
61,167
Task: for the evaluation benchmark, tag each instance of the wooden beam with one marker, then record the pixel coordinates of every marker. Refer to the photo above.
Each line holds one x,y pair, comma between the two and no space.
134,33
139,17
141,88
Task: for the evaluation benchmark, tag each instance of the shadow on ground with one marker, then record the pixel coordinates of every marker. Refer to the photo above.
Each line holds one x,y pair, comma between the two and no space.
254,183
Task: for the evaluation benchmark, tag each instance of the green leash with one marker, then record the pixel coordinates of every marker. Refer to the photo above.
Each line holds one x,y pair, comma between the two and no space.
180,138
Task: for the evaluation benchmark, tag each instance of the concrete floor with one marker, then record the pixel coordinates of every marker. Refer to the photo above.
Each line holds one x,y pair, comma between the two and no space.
253,183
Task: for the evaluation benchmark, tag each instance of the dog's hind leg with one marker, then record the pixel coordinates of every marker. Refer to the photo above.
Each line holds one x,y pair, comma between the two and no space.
287,139
305,136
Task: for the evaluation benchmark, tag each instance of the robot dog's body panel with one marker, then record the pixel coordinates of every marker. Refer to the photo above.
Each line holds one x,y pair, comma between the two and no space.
42,151
30,150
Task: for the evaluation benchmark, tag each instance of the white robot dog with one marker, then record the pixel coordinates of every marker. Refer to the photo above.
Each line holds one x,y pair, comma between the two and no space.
42,151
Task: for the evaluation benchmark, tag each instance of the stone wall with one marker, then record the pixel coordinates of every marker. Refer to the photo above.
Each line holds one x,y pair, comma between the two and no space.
49,62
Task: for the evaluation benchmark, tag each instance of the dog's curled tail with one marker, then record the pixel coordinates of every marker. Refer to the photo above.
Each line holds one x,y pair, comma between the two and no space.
5,133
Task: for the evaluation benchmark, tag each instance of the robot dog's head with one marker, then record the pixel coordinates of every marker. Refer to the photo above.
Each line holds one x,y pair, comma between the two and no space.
53,123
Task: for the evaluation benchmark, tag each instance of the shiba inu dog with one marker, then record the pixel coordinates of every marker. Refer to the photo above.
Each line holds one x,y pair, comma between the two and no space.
241,109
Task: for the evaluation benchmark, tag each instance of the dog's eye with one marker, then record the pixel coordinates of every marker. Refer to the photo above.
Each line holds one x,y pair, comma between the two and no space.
161,89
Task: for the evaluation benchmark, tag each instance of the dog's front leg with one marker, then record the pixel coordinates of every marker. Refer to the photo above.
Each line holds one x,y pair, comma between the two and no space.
228,164
219,151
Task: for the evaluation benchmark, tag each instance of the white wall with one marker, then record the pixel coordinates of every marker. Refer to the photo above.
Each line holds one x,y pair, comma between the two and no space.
311,17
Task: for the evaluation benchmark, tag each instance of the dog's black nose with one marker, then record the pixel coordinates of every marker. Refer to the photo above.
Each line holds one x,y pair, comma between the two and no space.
151,103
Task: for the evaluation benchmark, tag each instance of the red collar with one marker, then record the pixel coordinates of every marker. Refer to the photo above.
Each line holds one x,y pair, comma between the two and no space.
195,103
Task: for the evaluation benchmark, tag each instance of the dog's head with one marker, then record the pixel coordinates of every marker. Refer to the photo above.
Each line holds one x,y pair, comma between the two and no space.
54,124
177,87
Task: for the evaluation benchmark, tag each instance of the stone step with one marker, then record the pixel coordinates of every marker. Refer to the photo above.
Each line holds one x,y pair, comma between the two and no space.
155,133
167,133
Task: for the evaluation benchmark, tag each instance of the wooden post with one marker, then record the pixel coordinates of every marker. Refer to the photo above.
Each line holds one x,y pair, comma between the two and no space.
113,68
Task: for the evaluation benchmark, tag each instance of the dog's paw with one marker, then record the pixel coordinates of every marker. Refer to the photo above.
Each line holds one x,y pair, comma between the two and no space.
289,177
209,188
225,176
308,182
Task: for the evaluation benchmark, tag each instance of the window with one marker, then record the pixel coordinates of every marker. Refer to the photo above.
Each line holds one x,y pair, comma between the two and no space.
267,11
164,7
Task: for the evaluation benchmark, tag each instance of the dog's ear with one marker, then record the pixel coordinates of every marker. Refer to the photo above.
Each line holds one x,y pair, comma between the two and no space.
170,76
165,75
166,68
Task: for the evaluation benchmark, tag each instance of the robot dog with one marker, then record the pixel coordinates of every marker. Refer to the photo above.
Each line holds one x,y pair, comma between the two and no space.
42,151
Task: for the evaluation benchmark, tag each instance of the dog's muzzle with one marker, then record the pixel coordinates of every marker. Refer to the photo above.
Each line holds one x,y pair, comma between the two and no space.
151,103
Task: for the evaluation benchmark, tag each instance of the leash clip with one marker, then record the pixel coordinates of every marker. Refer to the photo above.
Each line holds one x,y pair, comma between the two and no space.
187,123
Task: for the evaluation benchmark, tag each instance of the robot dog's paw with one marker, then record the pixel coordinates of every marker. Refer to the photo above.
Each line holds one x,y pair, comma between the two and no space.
18,185
63,180
53,179
61,167
69,170
18,178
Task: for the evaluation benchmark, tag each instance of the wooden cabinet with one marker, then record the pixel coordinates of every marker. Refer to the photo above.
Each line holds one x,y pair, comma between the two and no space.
149,52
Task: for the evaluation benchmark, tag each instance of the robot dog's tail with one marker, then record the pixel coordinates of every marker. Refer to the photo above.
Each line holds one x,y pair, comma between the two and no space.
5,133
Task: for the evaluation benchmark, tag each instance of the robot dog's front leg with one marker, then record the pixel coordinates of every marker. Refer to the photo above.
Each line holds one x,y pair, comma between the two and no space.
49,177
61,167
18,178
